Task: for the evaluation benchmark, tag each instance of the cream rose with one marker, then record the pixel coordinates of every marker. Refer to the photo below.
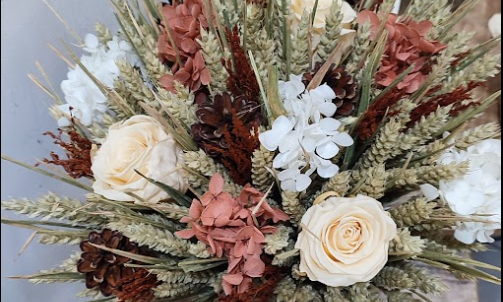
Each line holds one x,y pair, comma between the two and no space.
139,143
345,240
323,9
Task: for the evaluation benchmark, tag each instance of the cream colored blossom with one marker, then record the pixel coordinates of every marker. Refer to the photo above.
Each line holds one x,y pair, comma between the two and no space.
345,240
323,9
495,25
140,143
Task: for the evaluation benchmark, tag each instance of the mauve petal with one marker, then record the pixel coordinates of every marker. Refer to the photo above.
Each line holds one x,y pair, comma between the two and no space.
254,267
207,220
366,16
196,85
216,184
245,285
205,76
207,198
185,234
196,209
233,263
193,29
427,46
189,46
424,27
222,221
227,287
239,249
245,233
403,56
224,235
182,76
199,63
168,82
188,66
235,279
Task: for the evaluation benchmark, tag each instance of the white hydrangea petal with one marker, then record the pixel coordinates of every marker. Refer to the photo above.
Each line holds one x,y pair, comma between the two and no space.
329,124
430,192
290,142
323,93
269,140
327,150
484,236
495,25
302,182
309,144
91,41
64,122
283,160
328,171
327,109
289,185
293,88
343,139
465,236
288,174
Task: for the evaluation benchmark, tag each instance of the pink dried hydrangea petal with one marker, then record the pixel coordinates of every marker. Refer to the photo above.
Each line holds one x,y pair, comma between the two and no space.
185,234
254,267
205,76
234,279
189,46
196,209
245,285
167,81
216,184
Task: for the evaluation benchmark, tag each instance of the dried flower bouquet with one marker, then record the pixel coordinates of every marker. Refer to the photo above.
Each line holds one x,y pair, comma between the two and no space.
271,150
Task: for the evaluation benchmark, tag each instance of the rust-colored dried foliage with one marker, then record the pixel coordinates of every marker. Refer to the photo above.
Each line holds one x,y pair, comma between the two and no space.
260,292
454,98
240,144
138,287
78,153
377,112
242,80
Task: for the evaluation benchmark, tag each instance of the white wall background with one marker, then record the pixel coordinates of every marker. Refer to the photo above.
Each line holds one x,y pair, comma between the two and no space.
28,26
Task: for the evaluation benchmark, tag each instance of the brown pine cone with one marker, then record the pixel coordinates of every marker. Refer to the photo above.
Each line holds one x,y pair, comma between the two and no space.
214,117
104,269
343,84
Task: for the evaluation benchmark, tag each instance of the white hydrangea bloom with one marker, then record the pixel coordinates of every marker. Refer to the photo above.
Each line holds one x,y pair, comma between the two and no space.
308,138
84,99
495,25
477,194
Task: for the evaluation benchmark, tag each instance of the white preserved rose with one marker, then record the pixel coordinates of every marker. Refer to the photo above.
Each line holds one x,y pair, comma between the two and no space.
140,143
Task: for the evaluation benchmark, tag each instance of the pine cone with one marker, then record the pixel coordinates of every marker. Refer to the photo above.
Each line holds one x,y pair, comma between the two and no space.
215,116
104,269
343,84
